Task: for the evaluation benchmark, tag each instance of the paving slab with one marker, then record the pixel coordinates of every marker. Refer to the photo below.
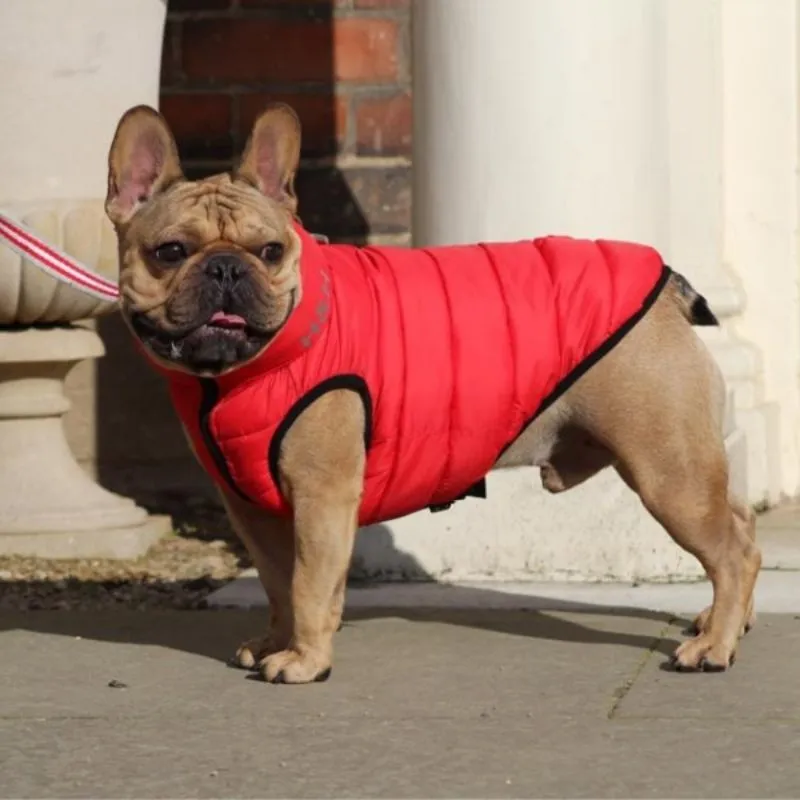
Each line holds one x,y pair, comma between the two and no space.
758,689
440,702
777,591
178,658
413,759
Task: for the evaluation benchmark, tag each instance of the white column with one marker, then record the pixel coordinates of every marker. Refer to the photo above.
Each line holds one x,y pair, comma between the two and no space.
762,138
587,118
700,89
539,116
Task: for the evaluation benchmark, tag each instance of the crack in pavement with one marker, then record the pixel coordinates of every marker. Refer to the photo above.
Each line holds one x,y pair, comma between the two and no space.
621,692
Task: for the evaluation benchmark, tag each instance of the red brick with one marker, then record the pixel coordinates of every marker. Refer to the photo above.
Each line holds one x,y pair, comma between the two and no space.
382,3
302,50
383,125
323,117
169,54
202,168
356,201
366,49
314,6
198,5
384,196
201,124
258,50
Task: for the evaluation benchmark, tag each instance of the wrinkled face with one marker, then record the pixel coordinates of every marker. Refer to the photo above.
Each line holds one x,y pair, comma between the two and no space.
209,273
209,270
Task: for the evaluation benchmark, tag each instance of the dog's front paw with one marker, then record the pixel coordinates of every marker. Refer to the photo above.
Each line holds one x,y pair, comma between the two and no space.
253,651
700,622
704,653
291,666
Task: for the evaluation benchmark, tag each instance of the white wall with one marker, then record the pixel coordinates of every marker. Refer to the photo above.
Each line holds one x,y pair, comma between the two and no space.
667,121
519,133
760,115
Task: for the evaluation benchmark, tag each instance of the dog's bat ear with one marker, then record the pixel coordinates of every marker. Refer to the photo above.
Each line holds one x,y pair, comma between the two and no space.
272,155
143,161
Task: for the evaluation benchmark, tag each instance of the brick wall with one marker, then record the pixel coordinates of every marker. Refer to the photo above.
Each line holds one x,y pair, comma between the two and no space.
342,64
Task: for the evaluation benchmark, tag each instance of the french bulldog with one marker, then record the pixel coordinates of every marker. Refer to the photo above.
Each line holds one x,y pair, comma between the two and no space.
325,387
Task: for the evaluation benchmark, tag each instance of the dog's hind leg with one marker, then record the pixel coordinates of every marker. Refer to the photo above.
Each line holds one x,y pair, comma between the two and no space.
747,520
656,401
694,507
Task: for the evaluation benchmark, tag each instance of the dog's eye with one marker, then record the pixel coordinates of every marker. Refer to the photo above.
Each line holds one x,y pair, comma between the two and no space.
170,253
272,252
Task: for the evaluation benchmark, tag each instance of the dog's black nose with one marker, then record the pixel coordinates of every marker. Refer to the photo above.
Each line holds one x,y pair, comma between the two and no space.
225,267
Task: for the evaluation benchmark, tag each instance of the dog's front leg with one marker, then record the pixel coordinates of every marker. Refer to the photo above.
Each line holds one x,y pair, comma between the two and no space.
270,543
322,473
323,545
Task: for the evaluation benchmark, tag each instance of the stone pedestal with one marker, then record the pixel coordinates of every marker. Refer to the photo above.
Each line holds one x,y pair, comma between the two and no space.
49,507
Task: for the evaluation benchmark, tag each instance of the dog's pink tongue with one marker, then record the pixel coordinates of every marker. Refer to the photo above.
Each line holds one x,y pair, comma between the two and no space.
223,320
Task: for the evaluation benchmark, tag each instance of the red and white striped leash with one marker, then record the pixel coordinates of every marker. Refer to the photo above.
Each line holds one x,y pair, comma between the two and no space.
61,266
54,261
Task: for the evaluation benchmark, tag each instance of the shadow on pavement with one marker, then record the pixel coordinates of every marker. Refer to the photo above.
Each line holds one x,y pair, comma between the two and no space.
216,633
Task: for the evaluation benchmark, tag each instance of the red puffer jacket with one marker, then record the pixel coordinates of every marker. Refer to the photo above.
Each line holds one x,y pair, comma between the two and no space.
453,351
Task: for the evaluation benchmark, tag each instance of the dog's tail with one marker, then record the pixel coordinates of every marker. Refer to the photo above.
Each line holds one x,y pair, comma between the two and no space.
692,304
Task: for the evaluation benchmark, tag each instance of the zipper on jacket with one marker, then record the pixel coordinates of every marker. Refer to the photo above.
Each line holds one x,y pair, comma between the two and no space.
210,396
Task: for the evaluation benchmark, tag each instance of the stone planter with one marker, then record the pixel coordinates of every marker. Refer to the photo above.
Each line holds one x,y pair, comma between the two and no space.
69,70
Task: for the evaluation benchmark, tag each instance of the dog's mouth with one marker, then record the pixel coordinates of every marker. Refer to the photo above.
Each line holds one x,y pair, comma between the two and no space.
224,340
233,327
230,322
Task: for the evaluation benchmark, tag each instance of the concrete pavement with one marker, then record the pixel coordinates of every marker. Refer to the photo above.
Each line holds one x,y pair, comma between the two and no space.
777,591
437,702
